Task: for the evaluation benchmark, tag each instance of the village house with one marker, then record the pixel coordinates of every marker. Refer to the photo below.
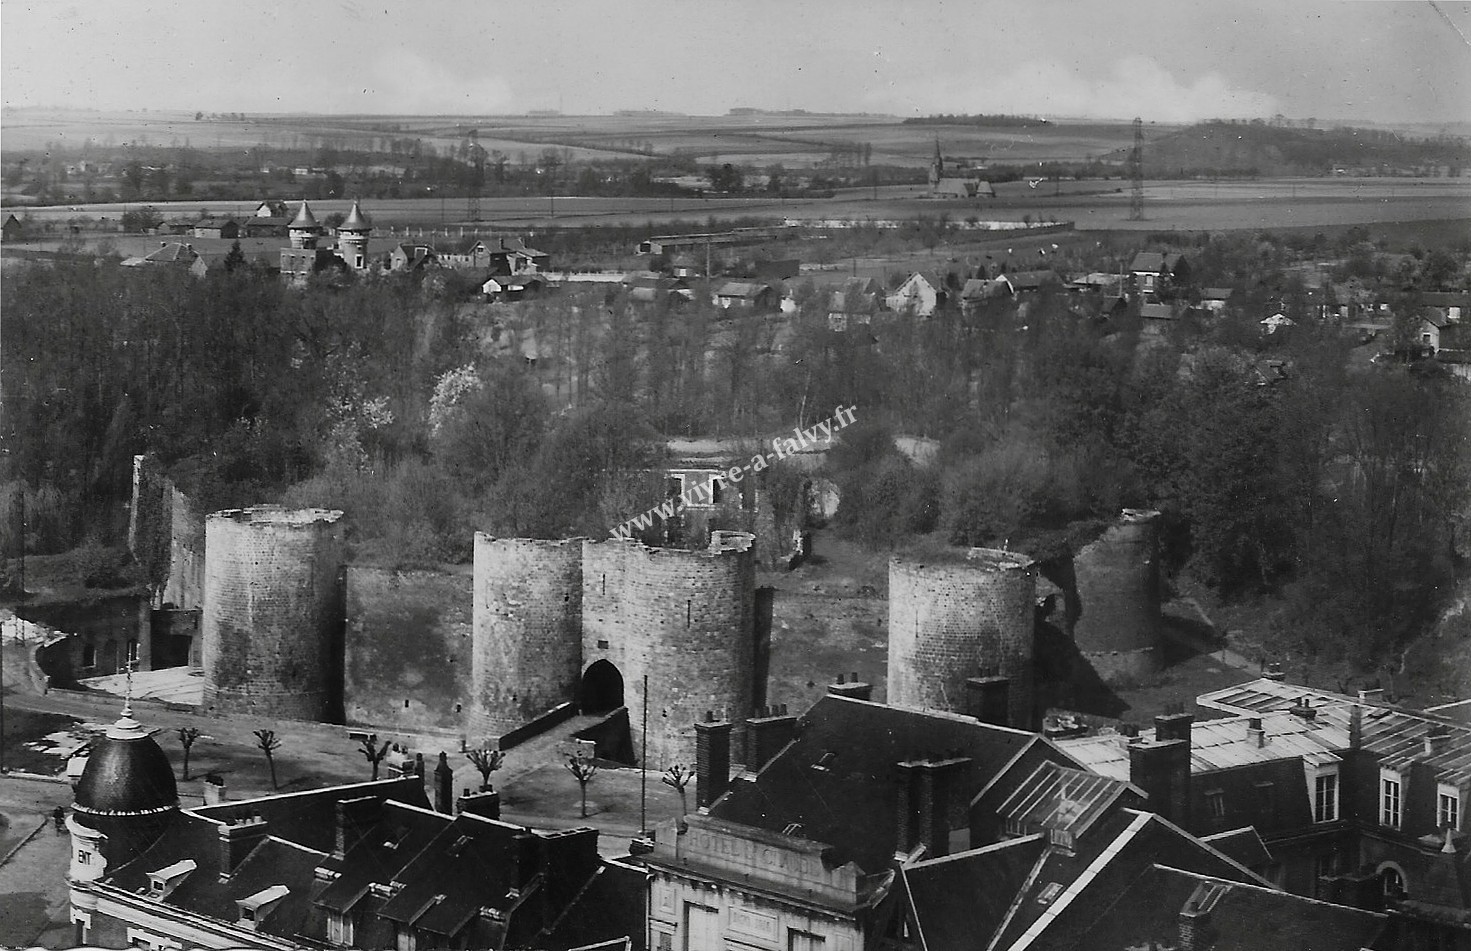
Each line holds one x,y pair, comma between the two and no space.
1153,270
854,303
467,254
12,230
213,226
1215,299
1277,321
918,296
510,287
411,257
745,295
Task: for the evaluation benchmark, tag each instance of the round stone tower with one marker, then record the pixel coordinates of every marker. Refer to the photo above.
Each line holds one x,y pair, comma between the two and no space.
686,619
527,643
125,800
304,230
274,613
352,239
953,618
1116,620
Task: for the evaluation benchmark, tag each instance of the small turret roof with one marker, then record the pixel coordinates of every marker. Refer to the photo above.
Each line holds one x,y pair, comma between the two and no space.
304,218
355,220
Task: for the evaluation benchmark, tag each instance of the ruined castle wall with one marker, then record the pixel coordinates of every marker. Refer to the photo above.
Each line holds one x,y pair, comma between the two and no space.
1117,622
166,536
408,653
527,615
684,618
950,619
274,607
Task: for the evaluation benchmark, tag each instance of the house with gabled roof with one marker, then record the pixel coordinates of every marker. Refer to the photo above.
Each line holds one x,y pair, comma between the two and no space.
1153,269
745,295
918,295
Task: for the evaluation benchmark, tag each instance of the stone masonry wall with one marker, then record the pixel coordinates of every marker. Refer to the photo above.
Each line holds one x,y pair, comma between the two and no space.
684,618
1117,622
527,610
166,536
950,619
408,648
274,610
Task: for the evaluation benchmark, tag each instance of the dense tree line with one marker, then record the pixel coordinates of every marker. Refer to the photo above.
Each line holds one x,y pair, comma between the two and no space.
1279,469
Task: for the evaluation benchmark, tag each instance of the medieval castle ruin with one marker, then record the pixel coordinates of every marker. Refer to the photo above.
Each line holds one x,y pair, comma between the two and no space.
262,601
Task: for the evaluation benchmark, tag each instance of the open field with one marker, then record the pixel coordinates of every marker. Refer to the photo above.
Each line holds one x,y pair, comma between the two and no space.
797,141
1183,206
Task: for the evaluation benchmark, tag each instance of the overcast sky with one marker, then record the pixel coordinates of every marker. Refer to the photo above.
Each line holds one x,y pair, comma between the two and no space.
1165,60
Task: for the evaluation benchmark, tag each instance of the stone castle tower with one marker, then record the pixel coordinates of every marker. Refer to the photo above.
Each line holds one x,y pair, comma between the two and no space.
1113,611
951,620
352,239
274,613
304,230
585,620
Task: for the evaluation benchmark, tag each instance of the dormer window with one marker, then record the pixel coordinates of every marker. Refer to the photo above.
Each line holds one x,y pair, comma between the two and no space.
165,880
1448,807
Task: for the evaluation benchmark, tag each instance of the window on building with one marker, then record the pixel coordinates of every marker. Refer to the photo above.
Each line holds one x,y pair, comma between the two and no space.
1215,803
804,940
1266,798
1448,811
84,858
1324,866
1389,800
89,655
1325,797
1393,883
717,490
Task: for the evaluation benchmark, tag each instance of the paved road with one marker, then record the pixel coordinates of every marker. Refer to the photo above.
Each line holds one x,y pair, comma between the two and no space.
33,894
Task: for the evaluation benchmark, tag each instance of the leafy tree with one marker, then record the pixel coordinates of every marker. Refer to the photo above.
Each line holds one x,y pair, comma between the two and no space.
267,742
235,258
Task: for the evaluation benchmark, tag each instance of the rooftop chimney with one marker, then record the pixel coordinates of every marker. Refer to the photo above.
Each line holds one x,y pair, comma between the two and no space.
444,785
925,789
486,804
988,699
766,734
853,689
1436,737
1173,724
237,838
712,759
354,818
1255,733
1162,769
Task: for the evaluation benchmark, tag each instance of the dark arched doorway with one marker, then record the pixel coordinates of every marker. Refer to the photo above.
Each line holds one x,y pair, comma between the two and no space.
602,688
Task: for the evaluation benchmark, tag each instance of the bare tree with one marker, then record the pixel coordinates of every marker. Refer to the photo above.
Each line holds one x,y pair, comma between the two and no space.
267,742
677,777
373,753
486,761
584,769
187,736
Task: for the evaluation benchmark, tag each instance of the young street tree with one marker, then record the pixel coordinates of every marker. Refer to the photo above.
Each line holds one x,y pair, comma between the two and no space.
677,777
584,770
373,753
267,742
187,736
486,761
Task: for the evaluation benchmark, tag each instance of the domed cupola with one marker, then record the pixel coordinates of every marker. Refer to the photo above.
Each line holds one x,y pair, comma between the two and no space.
127,792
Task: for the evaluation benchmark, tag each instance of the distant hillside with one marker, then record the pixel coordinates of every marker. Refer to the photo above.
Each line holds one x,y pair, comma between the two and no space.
1270,149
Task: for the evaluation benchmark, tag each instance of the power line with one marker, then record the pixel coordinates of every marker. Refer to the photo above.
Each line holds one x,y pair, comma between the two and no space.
1136,173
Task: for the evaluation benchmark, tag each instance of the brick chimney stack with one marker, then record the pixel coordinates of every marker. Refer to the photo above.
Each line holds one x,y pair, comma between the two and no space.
1161,767
853,689
237,838
988,699
712,759
766,734
925,788
444,785
354,818
486,804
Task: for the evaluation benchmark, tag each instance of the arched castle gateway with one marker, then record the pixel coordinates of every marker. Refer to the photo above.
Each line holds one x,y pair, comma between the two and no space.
585,620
